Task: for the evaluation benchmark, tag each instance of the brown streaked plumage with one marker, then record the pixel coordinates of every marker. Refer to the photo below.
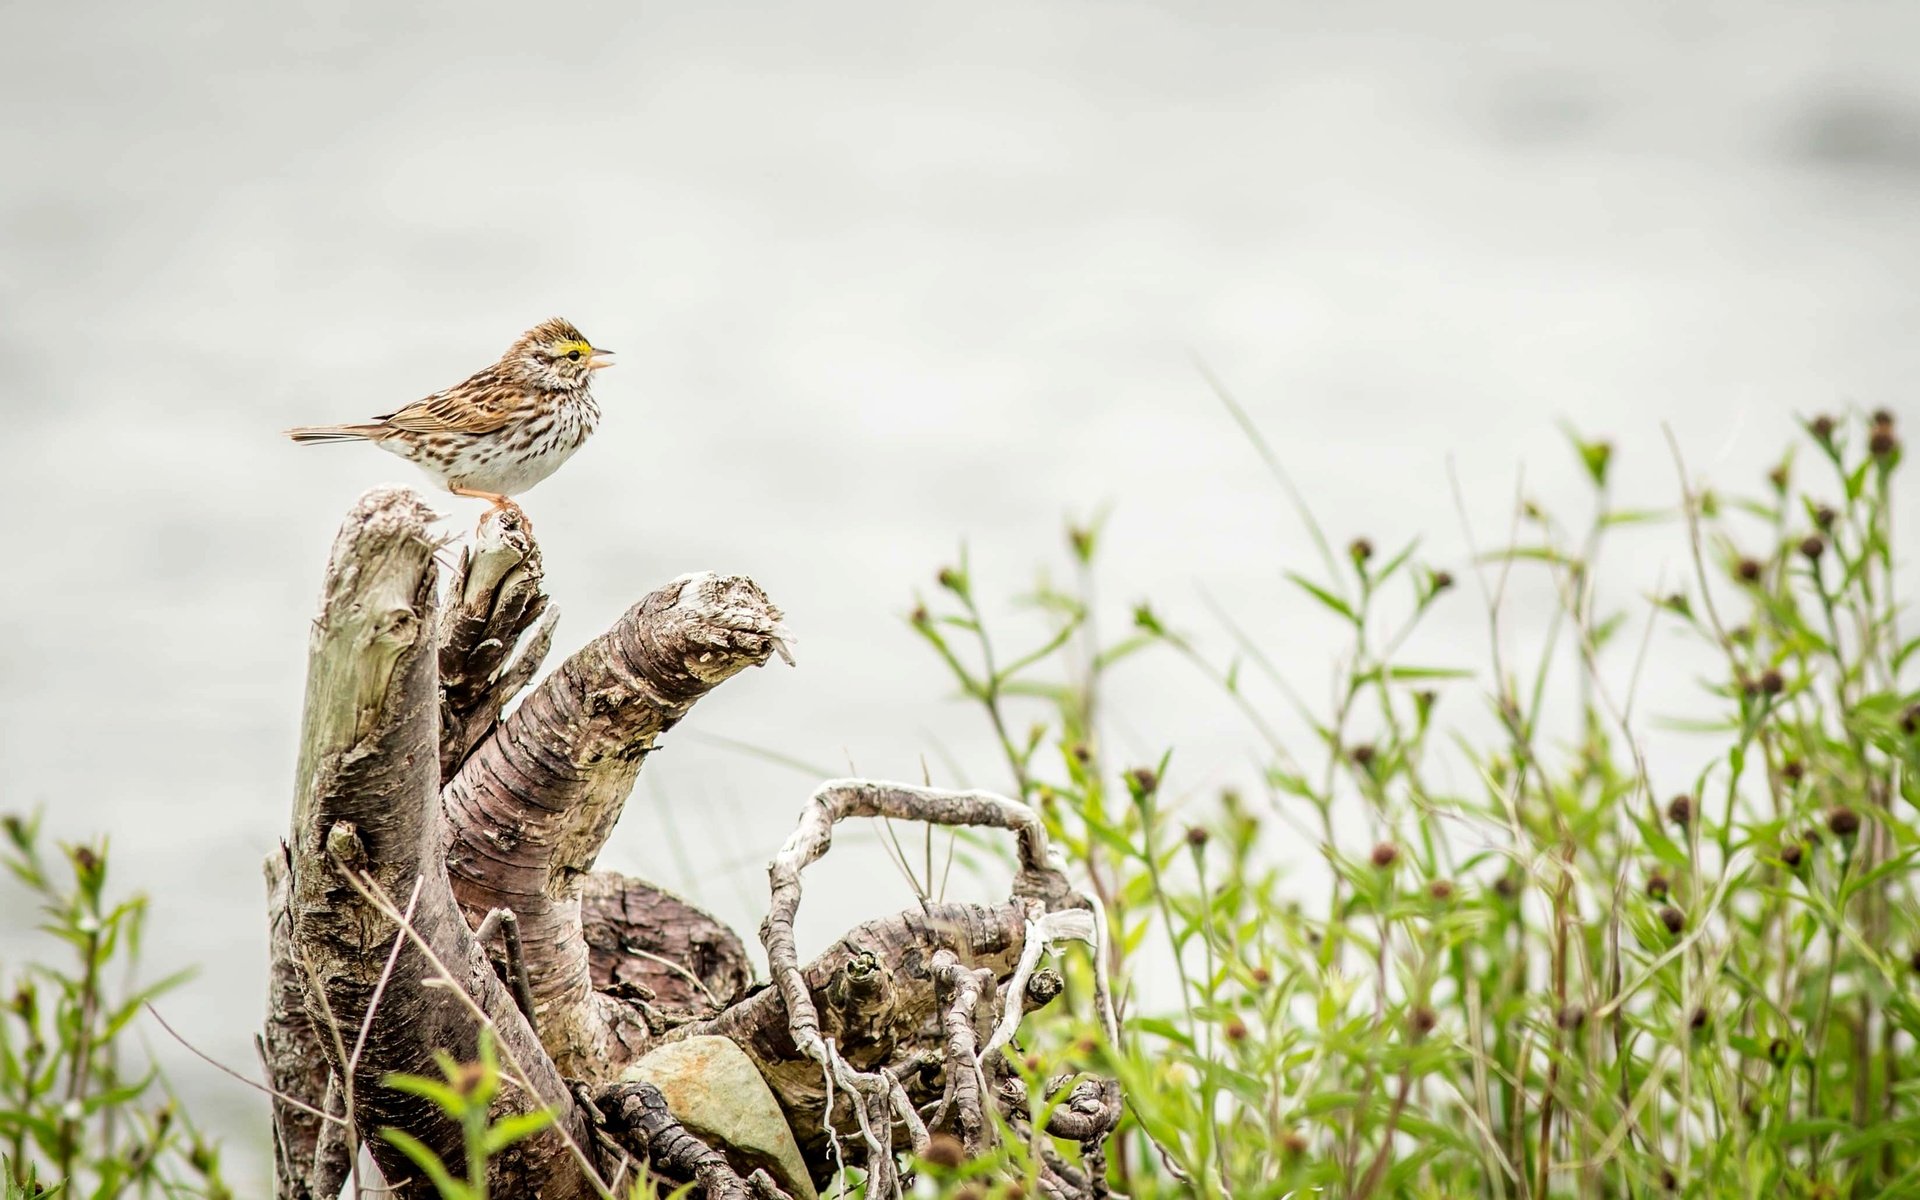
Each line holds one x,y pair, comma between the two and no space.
503,430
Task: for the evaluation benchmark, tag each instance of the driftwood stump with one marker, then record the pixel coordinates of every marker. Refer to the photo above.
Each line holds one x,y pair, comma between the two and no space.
438,882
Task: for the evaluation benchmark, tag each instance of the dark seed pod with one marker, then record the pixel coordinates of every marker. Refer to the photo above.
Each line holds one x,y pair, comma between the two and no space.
1698,1020
1362,755
1673,919
1843,820
1571,1017
1385,855
1441,889
1748,569
1680,810
1792,854
1812,547
1360,549
1881,443
1197,837
1772,682
944,1150
1822,427
1657,885
1794,770
1778,1050
1236,1030
1423,1019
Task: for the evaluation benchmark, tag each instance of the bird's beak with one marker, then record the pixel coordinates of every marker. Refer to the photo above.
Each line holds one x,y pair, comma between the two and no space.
595,362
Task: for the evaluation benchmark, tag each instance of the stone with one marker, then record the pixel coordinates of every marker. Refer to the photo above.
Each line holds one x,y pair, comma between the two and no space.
718,1094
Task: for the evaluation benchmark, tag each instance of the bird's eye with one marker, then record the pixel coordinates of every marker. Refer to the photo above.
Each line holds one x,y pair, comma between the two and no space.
574,355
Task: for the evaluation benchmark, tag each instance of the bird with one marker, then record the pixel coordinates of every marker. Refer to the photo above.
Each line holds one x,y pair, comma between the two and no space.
502,431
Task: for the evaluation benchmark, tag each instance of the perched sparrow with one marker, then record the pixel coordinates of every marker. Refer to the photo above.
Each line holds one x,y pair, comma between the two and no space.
503,430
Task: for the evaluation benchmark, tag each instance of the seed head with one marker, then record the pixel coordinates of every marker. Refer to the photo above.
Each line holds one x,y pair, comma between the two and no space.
1843,820
1748,569
1792,854
1441,890
1698,1020
1794,770
1506,887
1910,719
1824,517
1261,976
949,579
1293,1142
1777,1051
1362,755
1571,1017
1812,547
1657,885
1881,443
1423,1019
1778,478
1883,418
1197,837
1673,919
1442,580
1822,427
920,617
1385,855
1680,810
1772,682
944,1150
1236,1030
1360,549
1145,780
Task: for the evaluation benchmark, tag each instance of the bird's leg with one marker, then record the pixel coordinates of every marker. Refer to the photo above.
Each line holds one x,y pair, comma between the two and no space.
497,500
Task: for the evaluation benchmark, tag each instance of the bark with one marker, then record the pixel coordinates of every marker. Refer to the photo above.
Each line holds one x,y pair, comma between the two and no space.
309,1155
494,598
365,822
534,803
646,943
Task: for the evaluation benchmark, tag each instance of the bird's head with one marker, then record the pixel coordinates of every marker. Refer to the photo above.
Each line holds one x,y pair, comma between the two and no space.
555,355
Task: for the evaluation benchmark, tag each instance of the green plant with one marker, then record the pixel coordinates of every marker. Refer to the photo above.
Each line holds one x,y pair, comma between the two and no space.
69,1105
465,1095
1542,974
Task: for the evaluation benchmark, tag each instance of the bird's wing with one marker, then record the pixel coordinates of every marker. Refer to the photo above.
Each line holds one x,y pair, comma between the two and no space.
480,405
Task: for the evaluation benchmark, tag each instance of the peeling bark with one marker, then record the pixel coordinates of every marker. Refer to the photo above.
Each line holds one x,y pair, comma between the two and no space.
534,803
364,813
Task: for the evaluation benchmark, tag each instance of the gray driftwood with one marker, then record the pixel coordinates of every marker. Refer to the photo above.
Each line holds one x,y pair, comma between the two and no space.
421,815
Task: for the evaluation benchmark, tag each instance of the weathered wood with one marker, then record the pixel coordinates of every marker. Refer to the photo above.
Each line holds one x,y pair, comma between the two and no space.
534,802
644,938
413,793
366,820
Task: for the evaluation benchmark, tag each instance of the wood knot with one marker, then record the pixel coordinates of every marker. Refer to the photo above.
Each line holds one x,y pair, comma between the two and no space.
345,847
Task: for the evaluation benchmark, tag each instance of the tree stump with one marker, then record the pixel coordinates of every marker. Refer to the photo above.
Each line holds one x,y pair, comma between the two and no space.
437,882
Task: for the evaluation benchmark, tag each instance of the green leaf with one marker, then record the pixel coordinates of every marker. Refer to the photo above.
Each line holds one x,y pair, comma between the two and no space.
429,1164
1322,595
508,1130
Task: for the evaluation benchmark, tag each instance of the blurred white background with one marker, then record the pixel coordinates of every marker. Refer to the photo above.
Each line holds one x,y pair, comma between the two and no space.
883,278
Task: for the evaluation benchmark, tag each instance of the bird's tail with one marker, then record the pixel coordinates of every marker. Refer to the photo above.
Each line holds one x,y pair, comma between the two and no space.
334,433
